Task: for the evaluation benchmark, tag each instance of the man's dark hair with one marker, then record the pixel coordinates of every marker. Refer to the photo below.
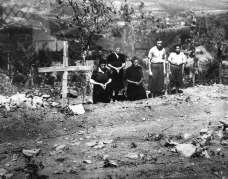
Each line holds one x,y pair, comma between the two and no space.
134,58
158,39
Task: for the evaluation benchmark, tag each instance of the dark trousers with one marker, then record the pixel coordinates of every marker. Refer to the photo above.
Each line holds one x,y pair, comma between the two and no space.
176,76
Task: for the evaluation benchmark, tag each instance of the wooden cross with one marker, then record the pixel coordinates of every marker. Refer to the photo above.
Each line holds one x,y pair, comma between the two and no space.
65,68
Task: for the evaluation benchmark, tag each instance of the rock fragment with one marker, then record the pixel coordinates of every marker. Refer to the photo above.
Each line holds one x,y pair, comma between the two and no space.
30,153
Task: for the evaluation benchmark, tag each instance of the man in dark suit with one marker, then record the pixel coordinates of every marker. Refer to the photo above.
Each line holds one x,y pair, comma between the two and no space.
116,62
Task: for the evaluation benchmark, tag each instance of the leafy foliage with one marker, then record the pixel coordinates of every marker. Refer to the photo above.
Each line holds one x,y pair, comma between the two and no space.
94,16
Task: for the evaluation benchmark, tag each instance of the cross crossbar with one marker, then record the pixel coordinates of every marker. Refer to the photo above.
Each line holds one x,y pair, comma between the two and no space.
64,68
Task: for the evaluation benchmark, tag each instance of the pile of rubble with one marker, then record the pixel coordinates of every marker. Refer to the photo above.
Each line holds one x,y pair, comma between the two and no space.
36,100
213,91
200,145
28,100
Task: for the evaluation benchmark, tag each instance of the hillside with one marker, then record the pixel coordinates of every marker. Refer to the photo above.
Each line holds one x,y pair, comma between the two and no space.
171,6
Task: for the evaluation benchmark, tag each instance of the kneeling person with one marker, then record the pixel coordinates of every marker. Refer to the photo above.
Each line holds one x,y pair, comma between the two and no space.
101,79
134,78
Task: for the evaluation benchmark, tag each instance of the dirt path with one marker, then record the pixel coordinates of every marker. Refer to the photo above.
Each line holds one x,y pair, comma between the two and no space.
121,129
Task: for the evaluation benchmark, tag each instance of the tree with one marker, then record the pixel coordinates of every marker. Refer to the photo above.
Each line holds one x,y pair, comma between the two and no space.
92,16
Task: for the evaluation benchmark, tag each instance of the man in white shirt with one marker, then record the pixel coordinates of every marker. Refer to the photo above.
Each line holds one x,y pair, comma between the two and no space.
157,54
177,60
157,57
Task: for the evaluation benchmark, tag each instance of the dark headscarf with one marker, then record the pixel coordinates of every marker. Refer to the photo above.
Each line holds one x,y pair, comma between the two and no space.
102,61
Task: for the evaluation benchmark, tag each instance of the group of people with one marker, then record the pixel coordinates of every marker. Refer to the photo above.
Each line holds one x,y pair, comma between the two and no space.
111,76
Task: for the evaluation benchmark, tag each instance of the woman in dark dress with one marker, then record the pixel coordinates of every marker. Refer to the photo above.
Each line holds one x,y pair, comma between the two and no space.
101,79
134,78
116,61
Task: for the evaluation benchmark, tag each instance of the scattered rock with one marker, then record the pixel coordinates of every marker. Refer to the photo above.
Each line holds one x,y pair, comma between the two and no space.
154,137
92,143
110,163
60,159
203,131
170,143
75,143
100,145
39,142
224,142
132,156
77,109
73,171
46,96
59,171
133,145
81,132
225,125
87,161
54,104
105,157
30,153
61,147
186,149
107,141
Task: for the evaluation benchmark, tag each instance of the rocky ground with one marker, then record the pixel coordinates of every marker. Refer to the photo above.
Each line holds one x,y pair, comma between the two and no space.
175,136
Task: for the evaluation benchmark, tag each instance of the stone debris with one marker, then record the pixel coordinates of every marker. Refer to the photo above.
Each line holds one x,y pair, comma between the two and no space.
87,161
190,145
99,144
132,156
59,148
186,149
77,109
110,163
203,131
81,132
92,143
133,145
224,125
107,141
31,153
60,159
34,101
104,157
55,104
154,137
224,142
